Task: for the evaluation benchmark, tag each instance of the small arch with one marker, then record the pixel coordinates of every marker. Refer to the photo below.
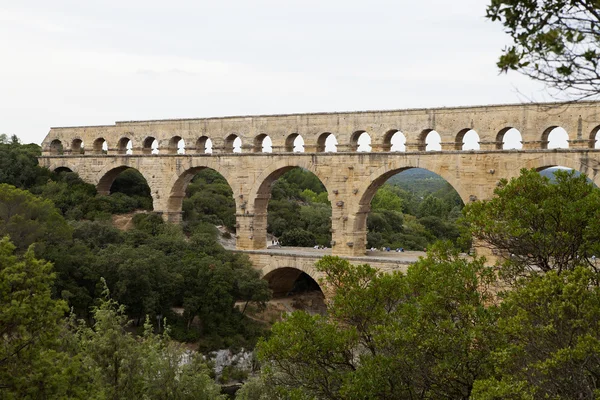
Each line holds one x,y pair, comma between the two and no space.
77,146
430,140
233,144
62,169
467,139
509,138
394,140
203,145
360,141
288,281
125,146
100,146
176,145
294,143
327,143
262,144
555,137
56,147
594,138
150,145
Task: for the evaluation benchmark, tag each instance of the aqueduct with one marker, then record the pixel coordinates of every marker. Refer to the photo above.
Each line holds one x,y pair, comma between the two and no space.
155,148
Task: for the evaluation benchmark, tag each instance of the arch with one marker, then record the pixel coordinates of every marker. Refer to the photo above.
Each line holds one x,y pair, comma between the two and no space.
294,143
394,140
282,280
203,145
77,146
62,164
179,183
108,175
555,137
62,169
56,147
467,139
233,144
262,144
125,146
430,140
100,146
594,139
509,138
326,143
548,160
150,145
360,141
176,145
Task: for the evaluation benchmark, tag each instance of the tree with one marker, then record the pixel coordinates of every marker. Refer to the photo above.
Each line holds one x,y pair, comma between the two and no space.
32,364
423,334
536,225
550,340
29,219
151,367
554,41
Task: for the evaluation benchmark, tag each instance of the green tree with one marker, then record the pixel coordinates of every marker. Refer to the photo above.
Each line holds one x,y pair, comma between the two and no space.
550,342
554,41
29,219
32,364
423,334
151,367
536,225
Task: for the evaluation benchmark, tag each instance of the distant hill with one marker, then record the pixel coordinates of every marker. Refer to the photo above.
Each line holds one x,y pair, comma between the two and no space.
418,180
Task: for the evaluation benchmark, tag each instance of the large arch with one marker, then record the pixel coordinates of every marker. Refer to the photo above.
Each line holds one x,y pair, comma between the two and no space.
283,279
548,160
178,183
107,176
260,193
378,177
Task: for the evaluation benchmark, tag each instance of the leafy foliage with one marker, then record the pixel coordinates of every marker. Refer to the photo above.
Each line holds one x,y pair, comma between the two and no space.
423,334
537,225
554,41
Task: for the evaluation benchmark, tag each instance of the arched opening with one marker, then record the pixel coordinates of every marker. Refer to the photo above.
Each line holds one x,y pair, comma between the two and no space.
233,144
203,145
292,209
430,140
327,143
176,145
205,199
125,146
467,139
408,209
361,141
150,145
302,291
595,139
294,144
262,144
509,138
77,146
60,170
100,146
56,147
127,190
555,137
394,140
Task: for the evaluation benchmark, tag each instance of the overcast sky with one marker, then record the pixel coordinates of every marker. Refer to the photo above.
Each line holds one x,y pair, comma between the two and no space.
96,62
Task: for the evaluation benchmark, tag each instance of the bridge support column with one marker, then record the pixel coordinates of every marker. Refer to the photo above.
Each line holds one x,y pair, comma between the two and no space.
535,145
449,146
310,148
581,144
250,231
174,217
414,146
380,147
487,146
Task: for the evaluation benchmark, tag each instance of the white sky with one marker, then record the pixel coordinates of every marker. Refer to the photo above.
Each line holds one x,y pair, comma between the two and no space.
96,62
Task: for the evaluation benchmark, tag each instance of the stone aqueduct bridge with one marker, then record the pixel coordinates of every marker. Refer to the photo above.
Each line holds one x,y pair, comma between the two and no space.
351,177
